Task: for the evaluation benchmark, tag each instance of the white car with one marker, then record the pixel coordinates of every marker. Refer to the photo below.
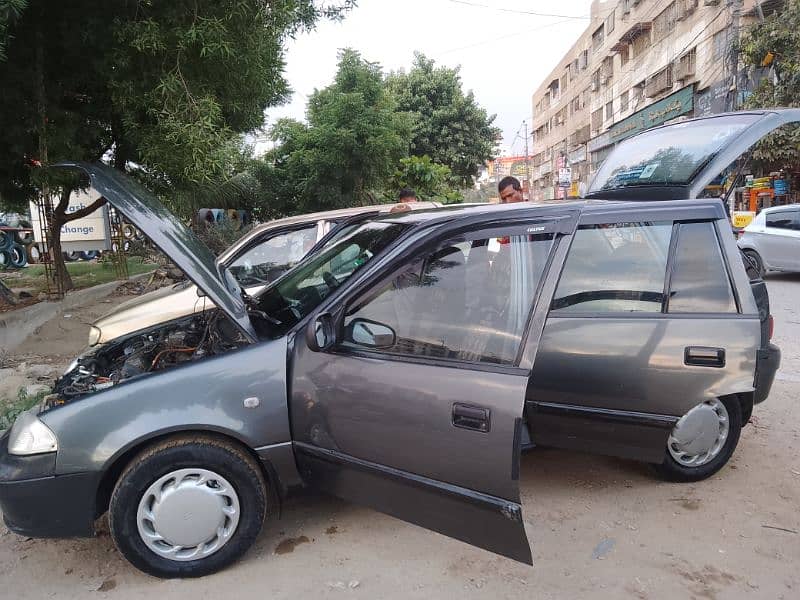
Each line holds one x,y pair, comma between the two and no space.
772,239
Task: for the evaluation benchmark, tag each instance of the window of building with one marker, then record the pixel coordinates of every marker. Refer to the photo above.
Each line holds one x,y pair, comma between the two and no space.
664,23
686,65
596,79
607,69
468,300
597,39
597,119
617,268
609,110
686,7
610,22
640,44
624,54
699,282
720,44
660,82
623,101
583,60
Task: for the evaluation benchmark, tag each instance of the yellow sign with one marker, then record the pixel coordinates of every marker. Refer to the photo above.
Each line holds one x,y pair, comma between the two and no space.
742,218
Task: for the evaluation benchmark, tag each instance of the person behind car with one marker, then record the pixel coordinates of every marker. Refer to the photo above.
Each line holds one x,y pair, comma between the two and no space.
404,198
510,190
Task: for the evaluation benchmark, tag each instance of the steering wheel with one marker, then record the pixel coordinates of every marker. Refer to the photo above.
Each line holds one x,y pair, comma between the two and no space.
330,280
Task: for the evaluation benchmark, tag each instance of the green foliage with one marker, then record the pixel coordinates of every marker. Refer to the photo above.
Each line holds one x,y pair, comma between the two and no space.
353,140
11,409
10,10
169,86
449,126
779,36
430,180
220,236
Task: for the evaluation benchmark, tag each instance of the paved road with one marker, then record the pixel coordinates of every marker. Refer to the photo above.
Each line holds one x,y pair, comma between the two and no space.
600,528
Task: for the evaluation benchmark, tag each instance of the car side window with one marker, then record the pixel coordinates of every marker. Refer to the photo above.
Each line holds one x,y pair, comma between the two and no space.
699,282
468,300
784,219
614,268
269,259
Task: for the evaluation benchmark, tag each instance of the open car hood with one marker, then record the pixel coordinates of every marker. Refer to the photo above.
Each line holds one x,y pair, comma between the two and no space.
678,161
171,236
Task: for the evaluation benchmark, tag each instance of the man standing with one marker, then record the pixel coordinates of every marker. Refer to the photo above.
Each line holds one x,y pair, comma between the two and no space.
404,198
510,190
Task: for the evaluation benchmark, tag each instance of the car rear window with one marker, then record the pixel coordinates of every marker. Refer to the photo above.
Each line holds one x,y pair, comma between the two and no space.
783,219
699,282
615,268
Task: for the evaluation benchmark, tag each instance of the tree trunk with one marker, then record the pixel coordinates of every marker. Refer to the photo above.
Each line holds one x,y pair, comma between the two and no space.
7,295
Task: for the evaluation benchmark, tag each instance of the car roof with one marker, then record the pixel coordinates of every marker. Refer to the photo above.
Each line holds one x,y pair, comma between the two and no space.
782,207
591,210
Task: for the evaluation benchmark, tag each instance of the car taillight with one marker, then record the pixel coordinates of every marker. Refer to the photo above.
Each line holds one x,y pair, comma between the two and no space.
771,327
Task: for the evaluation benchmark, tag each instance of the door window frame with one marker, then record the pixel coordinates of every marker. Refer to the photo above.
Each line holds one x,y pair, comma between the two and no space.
553,226
663,313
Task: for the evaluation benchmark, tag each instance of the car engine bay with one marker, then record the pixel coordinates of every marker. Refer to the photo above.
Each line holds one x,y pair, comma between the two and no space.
154,350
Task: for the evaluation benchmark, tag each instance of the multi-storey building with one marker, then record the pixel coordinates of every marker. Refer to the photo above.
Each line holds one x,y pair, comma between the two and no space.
640,63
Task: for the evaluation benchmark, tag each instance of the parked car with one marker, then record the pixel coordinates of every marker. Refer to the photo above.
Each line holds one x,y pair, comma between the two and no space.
772,239
258,258
404,365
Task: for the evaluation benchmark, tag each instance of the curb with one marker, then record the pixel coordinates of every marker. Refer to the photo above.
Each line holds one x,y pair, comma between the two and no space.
16,325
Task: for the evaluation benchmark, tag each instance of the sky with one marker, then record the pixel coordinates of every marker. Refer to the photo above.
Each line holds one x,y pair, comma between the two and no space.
504,53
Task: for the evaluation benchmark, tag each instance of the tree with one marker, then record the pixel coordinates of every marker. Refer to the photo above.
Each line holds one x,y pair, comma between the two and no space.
429,180
449,126
774,43
352,142
166,86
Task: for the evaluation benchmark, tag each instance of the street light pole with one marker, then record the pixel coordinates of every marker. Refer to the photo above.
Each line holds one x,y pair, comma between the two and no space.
527,162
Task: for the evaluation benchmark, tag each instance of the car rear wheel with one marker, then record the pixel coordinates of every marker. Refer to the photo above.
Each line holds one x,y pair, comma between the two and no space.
188,507
702,441
755,258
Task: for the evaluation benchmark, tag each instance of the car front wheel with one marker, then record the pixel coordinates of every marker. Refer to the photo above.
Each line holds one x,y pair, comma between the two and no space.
188,507
702,441
757,262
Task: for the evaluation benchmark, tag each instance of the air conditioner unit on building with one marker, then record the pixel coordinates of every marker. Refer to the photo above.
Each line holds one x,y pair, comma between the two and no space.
593,86
605,79
684,69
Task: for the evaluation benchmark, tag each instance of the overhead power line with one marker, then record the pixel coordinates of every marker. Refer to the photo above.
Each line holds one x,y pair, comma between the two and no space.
517,11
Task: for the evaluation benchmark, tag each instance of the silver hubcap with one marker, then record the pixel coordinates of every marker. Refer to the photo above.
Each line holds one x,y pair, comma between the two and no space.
188,514
700,434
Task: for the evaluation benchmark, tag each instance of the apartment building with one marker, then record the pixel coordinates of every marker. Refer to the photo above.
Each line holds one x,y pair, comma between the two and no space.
638,64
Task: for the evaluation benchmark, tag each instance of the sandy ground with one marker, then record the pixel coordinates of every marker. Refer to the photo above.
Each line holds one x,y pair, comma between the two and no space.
599,527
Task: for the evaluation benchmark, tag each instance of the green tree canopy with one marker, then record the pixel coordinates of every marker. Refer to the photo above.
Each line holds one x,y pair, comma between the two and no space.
166,86
449,126
352,142
774,43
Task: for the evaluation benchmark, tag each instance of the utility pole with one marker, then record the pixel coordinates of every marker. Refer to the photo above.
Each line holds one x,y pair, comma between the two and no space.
733,41
527,161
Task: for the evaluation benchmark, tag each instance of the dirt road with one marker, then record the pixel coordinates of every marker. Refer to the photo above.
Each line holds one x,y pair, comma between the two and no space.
599,528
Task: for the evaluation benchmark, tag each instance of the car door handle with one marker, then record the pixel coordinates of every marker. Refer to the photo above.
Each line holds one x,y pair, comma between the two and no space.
476,418
704,356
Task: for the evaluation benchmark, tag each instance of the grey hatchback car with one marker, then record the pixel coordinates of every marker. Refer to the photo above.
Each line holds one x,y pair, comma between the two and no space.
406,365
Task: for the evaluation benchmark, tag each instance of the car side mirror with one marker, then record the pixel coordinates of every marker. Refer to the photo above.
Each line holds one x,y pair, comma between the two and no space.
320,333
370,334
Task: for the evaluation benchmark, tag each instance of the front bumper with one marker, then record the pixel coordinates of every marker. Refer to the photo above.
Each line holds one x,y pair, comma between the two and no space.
767,362
37,503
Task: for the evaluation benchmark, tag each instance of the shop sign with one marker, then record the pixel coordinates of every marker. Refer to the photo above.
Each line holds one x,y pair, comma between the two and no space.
87,233
674,105
564,177
601,141
577,155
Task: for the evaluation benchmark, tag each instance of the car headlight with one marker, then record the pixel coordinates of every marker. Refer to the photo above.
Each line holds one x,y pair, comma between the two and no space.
94,335
30,436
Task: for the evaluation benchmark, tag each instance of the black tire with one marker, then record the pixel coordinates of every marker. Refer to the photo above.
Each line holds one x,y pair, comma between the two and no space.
758,263
19,258
5,259
197,451
24,237
89,255
71,256
34,254
671,470
5,240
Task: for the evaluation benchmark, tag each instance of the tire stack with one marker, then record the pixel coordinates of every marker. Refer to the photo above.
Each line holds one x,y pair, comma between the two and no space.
13,244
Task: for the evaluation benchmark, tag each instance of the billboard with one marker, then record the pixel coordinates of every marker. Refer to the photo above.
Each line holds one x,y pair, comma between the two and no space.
89,233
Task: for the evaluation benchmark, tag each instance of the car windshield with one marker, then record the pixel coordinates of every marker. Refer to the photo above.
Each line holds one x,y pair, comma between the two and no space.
671,155
294,296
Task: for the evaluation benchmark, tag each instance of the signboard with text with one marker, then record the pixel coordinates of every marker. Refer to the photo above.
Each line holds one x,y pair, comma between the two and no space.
674,105
88,233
